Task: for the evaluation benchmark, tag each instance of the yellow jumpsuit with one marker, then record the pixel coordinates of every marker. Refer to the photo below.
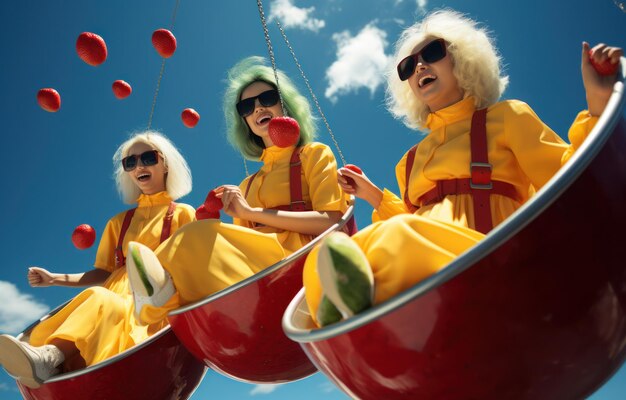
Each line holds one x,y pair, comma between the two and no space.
100,321
208,255
523,152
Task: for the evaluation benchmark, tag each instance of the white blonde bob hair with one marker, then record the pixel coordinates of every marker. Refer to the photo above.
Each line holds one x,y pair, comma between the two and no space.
477,64
177,177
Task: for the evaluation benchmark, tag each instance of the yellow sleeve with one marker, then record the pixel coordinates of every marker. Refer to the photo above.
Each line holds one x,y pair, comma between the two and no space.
320,172
578,132
243,186
186,214
536,147
391,205
105,256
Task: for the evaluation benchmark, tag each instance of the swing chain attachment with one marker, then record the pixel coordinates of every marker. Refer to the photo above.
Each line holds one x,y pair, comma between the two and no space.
271,53
313,96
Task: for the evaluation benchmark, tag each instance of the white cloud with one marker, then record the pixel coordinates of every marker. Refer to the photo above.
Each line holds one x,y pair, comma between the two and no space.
291,16
263,389
361,62
421,5
17,310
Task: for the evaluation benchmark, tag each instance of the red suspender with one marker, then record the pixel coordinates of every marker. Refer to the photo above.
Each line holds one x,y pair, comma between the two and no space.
167,222
120,260
409,166
295,184
480,172
479,185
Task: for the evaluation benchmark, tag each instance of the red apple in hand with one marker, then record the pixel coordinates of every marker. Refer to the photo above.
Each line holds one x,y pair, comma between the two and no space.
203,213
121,89
164,42
190,117
91,48
212,203
83,236
284,131
353,168
605,68
49,99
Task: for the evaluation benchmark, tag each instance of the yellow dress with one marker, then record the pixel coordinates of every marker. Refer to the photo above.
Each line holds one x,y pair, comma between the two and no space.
208,255
404,248
100,321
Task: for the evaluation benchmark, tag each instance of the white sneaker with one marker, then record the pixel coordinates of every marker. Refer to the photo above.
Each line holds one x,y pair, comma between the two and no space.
30,365
151,284
345,276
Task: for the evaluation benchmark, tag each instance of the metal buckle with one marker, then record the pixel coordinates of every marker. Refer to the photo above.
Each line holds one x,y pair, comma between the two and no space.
480,186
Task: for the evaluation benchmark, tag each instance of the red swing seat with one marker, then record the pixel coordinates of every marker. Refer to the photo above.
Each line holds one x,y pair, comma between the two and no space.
237,331
537,310
158,368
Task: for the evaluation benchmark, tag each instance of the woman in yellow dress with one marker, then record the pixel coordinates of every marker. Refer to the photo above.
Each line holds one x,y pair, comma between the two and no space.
209,255
480,160
99,322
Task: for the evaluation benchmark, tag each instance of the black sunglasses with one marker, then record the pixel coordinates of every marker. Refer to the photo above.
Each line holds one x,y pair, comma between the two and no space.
148,158
431,53
268,98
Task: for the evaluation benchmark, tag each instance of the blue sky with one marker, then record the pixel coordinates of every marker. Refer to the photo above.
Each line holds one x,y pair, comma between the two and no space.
57,166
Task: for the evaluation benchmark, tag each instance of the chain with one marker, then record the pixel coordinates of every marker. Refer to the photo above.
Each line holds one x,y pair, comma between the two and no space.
158,86
271,52
308,85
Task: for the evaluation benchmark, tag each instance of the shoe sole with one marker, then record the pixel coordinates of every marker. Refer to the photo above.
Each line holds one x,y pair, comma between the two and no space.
141,281
17,363
358,273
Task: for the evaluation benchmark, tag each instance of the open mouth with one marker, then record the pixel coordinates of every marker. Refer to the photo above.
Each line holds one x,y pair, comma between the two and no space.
143,177
264,119
426,79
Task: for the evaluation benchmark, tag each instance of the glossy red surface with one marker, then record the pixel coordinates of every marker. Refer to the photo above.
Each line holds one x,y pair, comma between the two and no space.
541,314
162,369
239,334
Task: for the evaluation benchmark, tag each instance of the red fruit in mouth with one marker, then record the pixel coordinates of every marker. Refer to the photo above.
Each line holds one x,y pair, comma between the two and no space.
164,42
190,117
121,89
83,236
203,213
49,99
284,131
91,48
212,203
605,67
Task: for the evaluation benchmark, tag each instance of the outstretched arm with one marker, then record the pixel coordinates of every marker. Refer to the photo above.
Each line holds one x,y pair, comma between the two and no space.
40,277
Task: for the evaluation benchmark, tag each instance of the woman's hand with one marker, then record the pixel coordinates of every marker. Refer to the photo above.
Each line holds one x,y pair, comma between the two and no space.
359,185
39,277
235,204
598,88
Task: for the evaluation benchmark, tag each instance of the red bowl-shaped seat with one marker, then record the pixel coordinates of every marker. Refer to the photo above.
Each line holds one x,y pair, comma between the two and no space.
159,368
537,310
238,332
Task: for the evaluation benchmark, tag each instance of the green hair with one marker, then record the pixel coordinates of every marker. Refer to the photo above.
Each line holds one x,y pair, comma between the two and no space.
243,74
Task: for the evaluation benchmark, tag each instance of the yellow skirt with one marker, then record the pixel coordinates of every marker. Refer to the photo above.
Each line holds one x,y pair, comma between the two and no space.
99,321
401,251
206,256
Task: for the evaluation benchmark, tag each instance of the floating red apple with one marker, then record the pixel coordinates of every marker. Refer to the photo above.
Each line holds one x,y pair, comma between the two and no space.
164,42
203,213
83,236
605,67
91,48
121,89
190,117
352,168
49,99
212,202
284,131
